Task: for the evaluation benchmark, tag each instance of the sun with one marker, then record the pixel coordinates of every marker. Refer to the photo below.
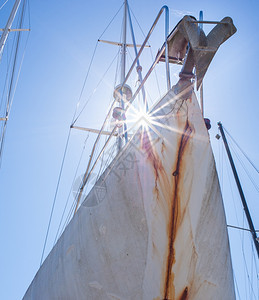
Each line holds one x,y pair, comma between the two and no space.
138,117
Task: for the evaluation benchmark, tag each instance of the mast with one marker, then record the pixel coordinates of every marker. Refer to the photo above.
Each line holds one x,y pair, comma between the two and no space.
242,196
123,47
123,68
8,26
201,87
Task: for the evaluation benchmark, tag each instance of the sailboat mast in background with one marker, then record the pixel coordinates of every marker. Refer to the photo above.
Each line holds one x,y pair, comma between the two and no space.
123,70
8,26
240,190
12,77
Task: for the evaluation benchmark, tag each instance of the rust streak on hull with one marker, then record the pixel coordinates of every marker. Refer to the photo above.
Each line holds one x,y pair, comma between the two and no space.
168,289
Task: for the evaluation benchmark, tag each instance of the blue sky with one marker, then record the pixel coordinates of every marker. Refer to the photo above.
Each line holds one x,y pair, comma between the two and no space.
62,40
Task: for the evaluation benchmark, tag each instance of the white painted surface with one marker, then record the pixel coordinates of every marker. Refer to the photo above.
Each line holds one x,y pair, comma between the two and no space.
119,248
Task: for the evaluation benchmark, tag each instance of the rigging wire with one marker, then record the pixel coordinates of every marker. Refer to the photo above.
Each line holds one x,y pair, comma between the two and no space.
241,235
245,169
93,150
111,101
152,56
55,196
13,82
236,286
111,21
110,152
8,67
11,91
101,169
91,62
3,4
9,57
68,216
220,151
68,197
6,78
74,120
90,97
113,146
251,263
66,146
90,177
86,77
246,156
250,285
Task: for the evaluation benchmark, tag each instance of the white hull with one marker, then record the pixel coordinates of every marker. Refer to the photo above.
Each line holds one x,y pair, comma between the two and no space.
154,225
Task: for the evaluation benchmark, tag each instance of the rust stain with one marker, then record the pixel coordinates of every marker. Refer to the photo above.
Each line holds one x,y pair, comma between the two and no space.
163,148
172,197
148,146
169,289
184,294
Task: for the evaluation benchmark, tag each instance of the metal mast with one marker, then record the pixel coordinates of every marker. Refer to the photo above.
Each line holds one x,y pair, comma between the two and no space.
242,196
201,87
8,26
123,68
122,91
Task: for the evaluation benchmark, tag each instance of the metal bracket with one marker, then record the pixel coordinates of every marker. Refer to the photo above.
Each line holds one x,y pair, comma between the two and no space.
188,43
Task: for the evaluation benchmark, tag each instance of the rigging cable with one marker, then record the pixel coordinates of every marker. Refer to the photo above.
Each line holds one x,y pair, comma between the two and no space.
3,4
66,147
241,235
245,169
104,166
113,146
55,196
152,56
71,209
8,67
80,159
246,156
89,98
247,173
234,203
13,85
236,285
111,101
88,71
250,285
